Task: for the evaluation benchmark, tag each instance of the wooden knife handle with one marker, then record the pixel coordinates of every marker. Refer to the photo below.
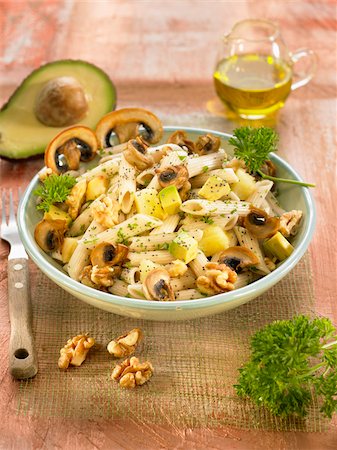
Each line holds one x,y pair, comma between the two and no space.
22,355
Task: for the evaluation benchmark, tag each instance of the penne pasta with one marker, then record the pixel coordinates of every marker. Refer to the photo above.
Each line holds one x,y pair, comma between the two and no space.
81,256
119,288
168,226
198,264
134,226
156,256
192,223
258,196
82,222
199,207
158,241
127,185
200,164
188,294
130,276
184,282
136,291
108,168
247,240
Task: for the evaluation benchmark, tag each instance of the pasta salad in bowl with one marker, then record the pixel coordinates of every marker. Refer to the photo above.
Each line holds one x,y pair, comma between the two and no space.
168,223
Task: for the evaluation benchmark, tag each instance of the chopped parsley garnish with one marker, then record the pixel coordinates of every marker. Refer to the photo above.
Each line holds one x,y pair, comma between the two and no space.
54,189
253,145
207,219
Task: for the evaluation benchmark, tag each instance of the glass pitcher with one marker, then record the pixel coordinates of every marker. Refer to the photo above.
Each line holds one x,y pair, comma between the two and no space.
255,72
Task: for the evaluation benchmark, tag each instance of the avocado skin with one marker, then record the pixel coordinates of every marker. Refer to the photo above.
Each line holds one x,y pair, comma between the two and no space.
33,149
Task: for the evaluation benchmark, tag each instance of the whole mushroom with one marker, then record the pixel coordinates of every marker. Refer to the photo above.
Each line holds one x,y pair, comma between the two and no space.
70,146
126,123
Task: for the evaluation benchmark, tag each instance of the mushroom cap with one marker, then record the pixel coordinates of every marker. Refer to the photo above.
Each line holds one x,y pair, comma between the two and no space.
260,224
135,154
125,123
207,144
237,258
49,234
70,146
157,285
106,254
172,175
61,102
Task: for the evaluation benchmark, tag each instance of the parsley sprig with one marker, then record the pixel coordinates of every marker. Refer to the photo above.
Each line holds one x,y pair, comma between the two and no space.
290,360
54,189
253,146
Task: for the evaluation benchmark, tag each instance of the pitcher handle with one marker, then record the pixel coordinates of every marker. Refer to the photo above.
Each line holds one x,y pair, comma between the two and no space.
304,78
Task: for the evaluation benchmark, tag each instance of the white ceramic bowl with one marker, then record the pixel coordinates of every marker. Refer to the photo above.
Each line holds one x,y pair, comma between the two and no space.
290,197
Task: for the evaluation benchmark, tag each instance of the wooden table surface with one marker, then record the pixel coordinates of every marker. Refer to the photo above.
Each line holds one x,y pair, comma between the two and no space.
160,55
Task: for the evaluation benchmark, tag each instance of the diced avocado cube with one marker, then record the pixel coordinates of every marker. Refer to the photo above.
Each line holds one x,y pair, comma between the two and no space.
96,187
214,240
184,247
56,213
278,246
170,200
214,188
245,186
147,202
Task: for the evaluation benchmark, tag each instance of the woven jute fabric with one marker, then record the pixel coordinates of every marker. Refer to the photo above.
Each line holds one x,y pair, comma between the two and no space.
196,362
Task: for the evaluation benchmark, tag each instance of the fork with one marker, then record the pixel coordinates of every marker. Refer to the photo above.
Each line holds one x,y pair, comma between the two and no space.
22,355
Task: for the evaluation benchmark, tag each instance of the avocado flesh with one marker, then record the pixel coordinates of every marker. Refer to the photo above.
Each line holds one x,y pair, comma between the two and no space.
22,135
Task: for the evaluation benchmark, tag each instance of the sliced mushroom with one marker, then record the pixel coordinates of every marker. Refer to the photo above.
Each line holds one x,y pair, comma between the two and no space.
126,124
157,286
135,154
69,147
260,224
237,258
172,175
49,234
207,144
179,137
105,254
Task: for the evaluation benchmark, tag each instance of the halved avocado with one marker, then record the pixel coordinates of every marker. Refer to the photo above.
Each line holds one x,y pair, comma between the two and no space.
22,134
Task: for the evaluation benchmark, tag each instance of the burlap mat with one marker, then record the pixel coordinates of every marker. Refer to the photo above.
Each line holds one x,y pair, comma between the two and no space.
195,361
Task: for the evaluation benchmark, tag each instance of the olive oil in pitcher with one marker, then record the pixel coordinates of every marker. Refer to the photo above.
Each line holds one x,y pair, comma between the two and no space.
253,85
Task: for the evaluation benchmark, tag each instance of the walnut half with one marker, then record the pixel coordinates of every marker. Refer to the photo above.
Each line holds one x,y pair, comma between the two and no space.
126,344
131,373
218,278
75,351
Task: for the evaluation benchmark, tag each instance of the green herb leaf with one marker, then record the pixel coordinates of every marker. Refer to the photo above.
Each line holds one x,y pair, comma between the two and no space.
207,219
290,360
253,146
55,189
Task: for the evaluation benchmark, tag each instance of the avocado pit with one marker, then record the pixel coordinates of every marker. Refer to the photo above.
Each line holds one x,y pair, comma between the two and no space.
61,102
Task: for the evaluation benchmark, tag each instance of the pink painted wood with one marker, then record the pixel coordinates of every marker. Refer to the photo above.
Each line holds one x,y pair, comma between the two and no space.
161,56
